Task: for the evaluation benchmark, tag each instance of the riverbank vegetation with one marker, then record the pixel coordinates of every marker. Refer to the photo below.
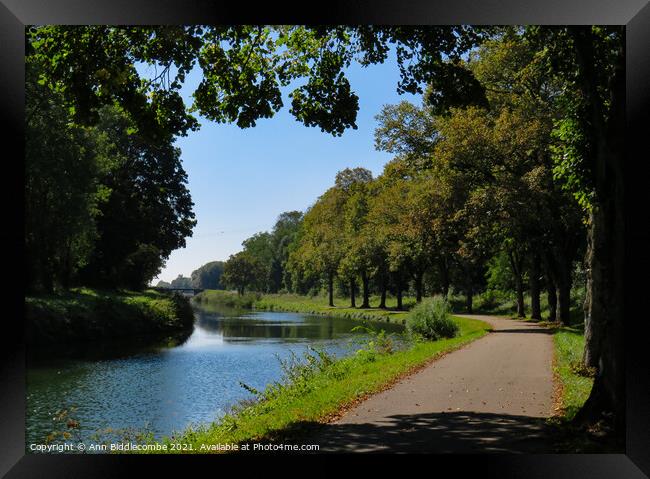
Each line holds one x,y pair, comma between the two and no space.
83,314
512,163
317,387
431,320
300,304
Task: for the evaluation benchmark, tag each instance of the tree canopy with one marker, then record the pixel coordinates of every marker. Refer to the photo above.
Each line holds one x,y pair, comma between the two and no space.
516,149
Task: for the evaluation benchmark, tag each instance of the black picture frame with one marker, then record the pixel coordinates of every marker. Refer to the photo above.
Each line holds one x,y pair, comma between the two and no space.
635,14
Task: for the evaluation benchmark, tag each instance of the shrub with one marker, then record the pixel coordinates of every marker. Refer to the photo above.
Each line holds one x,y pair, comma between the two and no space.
431,319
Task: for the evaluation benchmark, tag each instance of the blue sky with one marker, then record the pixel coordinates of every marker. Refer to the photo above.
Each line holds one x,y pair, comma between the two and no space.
242,179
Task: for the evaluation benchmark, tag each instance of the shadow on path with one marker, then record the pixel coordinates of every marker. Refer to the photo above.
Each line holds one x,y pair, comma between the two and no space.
524,330
452,432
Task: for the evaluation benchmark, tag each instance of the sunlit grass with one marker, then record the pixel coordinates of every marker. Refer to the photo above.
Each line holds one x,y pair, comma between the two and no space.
575,381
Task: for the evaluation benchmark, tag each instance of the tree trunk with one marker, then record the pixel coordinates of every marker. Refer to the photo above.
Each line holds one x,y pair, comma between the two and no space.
469,299
66,269
384,287
330,289
418,287
552,302
366,290
399,293
353,303
444,276
515,263
534,289
604,347
519,283
564,299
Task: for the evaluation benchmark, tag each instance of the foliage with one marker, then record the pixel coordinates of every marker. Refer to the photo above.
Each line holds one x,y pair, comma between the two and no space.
83,314
181,282
63,162
380,341
208,276
149,199
519,135
499,273
431,319
241,271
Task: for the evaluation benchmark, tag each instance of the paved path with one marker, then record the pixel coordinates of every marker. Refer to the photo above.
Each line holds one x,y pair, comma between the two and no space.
488,396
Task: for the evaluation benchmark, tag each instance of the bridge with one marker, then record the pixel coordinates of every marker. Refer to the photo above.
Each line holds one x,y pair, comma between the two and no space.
183,291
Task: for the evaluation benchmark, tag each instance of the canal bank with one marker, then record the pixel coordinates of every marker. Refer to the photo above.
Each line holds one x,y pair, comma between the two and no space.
302,304
127,389
83,314
320,389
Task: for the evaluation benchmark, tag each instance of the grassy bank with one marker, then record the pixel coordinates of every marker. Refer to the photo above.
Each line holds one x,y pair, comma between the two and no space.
490,302
318,389
574,380
304,304
573,386
84,314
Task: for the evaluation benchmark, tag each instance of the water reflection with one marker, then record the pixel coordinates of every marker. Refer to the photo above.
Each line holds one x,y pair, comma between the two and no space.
101,350
175,380
250,326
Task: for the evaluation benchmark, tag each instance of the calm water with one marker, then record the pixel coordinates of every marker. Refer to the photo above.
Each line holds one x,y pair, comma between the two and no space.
165,386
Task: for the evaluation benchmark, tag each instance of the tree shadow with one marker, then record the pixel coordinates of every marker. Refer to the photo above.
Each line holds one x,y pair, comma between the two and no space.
452,432
524,330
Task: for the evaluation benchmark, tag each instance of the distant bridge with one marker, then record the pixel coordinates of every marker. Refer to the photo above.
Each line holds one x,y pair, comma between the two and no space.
183,291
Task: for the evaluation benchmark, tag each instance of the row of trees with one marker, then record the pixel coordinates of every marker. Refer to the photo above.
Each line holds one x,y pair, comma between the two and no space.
578,72
464,187
262,264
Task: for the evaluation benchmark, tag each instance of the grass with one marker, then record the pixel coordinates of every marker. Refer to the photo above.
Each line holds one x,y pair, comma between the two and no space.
82,314
307,305
574,380
319,388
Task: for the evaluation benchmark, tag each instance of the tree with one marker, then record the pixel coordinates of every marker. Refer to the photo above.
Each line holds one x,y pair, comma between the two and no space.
62,193
181,282
271,251
240,272
407,131
148,198
284,234
590,62
208,276
354,184
385,217
259,247
319,251
244,68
